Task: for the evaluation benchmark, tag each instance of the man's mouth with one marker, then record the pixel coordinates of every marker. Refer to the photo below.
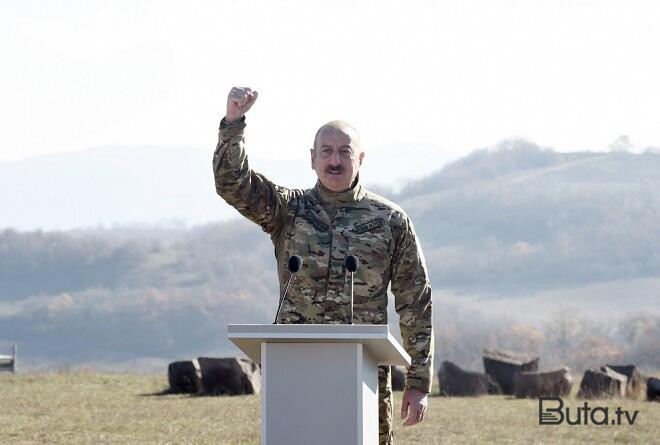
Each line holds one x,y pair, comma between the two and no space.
335,172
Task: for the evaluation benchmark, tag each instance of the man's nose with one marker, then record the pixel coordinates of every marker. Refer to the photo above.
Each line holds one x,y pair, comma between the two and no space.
335,159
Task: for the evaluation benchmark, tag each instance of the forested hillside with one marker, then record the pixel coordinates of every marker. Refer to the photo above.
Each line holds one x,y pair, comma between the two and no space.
540,230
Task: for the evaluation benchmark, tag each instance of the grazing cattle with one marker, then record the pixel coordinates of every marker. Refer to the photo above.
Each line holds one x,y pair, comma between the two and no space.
398,378
653,389
229,376
633,388
8,362
455,381
184,377
602,383
542,384
502,366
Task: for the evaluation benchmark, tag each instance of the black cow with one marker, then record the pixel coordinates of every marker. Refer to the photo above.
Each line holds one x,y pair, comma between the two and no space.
602,383
184,377
633,388
542,384
502,366
454,381
653,389
229,376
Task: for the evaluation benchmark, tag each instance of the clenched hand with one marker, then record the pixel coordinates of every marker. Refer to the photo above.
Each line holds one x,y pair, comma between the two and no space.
239,101
413,406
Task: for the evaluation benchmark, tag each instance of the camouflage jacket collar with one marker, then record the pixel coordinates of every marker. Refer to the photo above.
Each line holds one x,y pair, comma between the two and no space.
333,200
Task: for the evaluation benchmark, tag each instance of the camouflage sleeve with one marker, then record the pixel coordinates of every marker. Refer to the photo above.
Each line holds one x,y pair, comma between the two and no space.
252,194
412,297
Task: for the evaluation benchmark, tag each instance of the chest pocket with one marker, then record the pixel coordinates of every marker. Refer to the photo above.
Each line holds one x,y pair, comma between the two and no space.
371,242
311,240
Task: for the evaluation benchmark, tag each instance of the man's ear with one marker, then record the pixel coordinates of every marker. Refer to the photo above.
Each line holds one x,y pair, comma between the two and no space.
311,154
361,157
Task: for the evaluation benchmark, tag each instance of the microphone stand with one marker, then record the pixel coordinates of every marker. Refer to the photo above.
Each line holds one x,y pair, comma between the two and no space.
351,298
295,263
351,263
279,306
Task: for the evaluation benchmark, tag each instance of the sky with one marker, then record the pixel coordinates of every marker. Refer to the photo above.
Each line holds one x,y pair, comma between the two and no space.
434,80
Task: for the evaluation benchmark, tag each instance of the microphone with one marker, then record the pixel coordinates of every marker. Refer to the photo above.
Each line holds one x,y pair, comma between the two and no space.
295,263
352,263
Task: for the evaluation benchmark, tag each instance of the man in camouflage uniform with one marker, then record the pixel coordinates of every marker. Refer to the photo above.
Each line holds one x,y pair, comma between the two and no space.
324,225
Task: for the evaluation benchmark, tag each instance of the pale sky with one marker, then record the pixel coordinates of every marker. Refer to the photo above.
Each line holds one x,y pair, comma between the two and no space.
437,78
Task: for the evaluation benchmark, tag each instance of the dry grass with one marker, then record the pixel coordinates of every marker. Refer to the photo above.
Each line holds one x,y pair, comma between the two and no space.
94,408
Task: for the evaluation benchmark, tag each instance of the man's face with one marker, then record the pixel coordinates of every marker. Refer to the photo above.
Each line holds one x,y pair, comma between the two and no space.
336,158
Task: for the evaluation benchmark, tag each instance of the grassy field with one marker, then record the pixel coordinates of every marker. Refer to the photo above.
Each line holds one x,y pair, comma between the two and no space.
95,408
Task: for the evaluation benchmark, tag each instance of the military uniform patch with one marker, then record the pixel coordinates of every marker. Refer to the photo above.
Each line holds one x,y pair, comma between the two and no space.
365,227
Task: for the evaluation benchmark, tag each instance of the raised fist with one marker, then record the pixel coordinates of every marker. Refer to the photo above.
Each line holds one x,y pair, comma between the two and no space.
239,101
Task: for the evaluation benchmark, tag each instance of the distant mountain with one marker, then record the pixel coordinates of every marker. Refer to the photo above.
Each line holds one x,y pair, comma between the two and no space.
519,218
148,185
516,235
109,186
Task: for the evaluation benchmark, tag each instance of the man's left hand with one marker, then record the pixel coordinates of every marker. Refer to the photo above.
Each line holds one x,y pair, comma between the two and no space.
413,406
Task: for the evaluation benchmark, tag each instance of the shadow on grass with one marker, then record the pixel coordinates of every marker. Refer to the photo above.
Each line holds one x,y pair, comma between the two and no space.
475,397
168,392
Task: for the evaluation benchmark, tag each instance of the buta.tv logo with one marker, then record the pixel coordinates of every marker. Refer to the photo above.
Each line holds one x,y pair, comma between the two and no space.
551,412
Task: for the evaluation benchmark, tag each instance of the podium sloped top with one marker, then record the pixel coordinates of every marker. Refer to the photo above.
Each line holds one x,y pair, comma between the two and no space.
377,339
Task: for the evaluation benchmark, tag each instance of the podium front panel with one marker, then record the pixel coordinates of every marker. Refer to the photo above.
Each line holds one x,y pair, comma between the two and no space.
318,394
319,382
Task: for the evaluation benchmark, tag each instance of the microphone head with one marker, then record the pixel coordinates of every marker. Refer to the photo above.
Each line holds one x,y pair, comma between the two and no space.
295,263
352,263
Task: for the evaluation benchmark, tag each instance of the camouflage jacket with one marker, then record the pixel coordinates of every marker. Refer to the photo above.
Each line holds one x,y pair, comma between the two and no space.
323,227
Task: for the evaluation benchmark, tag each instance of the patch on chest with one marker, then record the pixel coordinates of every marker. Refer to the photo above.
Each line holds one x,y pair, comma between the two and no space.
369,225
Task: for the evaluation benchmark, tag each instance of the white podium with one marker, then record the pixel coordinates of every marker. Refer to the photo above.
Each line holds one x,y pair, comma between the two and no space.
319,383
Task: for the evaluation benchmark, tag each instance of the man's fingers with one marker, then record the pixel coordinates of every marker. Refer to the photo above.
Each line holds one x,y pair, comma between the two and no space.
236,94
410,421
408,413
251,96
415,415
239,101
243,98
249,101
240,91
413,407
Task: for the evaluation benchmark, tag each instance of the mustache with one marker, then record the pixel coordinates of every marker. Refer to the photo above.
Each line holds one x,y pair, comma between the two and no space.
334,169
